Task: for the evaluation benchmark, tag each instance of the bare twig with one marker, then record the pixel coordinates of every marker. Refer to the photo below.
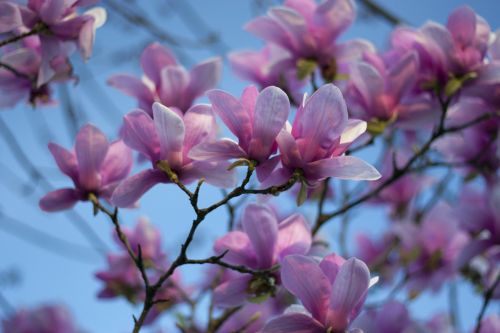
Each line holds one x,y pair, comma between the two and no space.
488,295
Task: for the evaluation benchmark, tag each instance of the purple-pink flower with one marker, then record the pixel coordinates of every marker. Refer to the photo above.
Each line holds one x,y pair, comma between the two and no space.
392,317
332,293
255,119
166,81
43,319
431,249
263,243
447,52
95,166
320,134
168,138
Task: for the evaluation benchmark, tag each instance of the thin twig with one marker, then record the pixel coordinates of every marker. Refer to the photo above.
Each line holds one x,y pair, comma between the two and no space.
488,295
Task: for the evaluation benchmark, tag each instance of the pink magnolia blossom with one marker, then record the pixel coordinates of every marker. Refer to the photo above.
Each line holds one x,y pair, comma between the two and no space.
263,242
166,81
169,138
376,253
320,134
392,317
255,119
474,147
431,249
490,324
380,88
43,319
451,51
123,279
332,292
65,30
308,31
95,166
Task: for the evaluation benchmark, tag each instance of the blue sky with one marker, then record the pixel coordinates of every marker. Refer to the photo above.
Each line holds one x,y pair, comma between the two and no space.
52,277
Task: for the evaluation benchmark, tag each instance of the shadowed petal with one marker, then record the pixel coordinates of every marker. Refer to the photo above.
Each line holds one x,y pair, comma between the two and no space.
221,150
215,173
240,251
290,154
60,199
402,77
200,125
349,288
91,148
139,134
203,77
293,323
66,161
232,113
117,164
331,265
171,132
153,59
334,16
271,112
270,30
261,226
303,277
343,167
232,293
294,236
10,17
174,80
132,188
462,25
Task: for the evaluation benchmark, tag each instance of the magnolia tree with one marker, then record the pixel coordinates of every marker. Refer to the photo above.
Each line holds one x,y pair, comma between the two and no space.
428,102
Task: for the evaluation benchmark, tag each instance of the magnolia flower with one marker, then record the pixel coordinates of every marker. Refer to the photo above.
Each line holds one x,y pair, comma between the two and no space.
167,141
60,26
451,51
392,317
95,167
431,249
123,279
379,91
308,31
320,134
263,242
271,66
255,120
332,292
166,81
43,319
376,253
474,147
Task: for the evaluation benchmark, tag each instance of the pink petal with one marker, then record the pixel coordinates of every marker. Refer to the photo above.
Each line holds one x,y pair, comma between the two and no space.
240,251
52,10
91,148
10,17
402,77
261,226
221,150
200,125
232,293
303,277
368,83
86,38
462,25
293,323
215,173
290,154
343,167
232,113
139,133
117,164
131,189
271,113
60,199
270,30
171,132
294,236
249,99
133,87
349,288
174,80
265,168
203,77
323,120
66,161
354,129
153,59
294,24
330,265
333,17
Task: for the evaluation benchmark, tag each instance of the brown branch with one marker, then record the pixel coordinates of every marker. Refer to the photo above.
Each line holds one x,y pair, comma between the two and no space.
383,13
36,30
